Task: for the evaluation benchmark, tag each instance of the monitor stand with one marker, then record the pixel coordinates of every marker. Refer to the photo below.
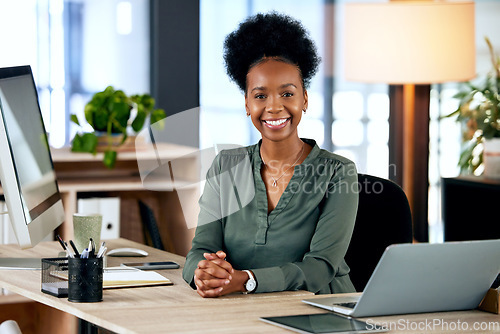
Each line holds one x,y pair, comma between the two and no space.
26,263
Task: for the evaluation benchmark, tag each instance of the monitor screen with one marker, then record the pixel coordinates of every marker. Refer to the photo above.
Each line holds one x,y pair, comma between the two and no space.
27,174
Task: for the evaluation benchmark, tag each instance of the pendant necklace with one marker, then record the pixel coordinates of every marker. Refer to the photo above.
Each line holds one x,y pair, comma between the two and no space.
275,181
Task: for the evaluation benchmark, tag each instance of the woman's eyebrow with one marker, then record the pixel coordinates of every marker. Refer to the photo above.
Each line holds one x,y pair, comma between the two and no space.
281,87
258,88
287,85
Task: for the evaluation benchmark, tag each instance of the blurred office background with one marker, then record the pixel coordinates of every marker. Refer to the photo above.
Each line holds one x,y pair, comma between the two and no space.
173,49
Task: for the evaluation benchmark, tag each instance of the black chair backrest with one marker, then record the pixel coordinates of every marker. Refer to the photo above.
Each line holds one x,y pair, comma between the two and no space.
383,219
150,227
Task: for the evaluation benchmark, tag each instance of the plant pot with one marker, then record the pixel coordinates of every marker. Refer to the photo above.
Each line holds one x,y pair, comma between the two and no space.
127,146
491,158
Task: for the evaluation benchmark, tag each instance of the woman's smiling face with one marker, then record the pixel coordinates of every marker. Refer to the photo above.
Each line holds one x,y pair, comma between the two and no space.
275,98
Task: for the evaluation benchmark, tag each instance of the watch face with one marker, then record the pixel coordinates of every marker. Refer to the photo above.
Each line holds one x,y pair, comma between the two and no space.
250,285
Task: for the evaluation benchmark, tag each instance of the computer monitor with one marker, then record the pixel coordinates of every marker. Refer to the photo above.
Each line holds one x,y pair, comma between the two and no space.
27,173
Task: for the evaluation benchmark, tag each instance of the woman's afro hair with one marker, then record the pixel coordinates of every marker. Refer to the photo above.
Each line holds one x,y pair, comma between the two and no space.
269,35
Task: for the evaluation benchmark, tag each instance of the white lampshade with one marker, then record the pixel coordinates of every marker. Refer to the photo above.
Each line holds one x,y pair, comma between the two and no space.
416,42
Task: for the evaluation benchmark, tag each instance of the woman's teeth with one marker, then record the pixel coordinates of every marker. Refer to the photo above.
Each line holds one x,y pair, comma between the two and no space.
278,122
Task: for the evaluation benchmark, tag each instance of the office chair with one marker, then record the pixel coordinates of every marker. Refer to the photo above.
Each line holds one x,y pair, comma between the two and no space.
150,227
383,219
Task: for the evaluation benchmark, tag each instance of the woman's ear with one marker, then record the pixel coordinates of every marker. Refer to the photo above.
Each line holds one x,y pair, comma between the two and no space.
246,105
306,100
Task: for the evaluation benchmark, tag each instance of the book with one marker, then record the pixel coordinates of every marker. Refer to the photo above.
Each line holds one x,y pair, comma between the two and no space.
119,277
132,278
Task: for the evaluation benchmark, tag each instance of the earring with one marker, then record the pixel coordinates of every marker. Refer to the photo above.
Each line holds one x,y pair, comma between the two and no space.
248,114
304,110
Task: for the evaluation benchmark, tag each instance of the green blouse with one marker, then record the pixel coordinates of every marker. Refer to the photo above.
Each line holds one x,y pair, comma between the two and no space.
301,244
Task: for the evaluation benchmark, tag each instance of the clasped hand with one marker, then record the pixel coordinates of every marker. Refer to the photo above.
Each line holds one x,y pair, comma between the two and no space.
216,277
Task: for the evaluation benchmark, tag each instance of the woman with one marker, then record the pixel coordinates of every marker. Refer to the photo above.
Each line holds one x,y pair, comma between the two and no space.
277,215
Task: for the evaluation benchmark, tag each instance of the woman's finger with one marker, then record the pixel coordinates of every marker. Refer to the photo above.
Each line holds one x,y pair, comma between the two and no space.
213,283
221,255
210,256
218,259
204,290
209,293
224,264
215,270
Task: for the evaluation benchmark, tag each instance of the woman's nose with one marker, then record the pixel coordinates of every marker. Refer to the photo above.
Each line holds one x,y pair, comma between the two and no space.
274,105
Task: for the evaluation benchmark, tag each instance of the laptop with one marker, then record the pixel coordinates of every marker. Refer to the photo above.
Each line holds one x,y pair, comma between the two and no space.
418,278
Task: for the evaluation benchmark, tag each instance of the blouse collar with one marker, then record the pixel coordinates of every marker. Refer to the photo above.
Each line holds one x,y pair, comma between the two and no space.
311,156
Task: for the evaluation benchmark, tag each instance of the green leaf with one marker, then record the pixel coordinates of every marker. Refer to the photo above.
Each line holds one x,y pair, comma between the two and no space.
76,144
124,137
84,143
157,115
110,159
466,154
139,120
89,113
74,119
89,142
116,127
147,101
101,118
455,113
461,95
157,119
120,111
108,91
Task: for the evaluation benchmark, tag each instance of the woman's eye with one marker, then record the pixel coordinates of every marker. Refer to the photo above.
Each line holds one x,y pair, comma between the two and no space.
260,96
287,94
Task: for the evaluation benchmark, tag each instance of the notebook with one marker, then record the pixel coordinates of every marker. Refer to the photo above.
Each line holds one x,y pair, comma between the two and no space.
120,277
132,278
417,278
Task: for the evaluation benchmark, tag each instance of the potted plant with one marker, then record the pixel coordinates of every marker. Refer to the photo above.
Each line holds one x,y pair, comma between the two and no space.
479,113
112,114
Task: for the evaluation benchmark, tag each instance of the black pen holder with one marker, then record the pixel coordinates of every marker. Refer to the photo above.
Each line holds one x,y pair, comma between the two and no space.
85,280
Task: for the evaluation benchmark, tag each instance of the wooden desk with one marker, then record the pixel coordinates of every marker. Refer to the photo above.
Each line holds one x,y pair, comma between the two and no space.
179,309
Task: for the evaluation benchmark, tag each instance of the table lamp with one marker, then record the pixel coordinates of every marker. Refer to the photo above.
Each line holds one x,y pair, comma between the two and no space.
409,45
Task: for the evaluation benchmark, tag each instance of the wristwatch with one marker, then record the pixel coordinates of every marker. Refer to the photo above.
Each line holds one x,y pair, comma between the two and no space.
251,284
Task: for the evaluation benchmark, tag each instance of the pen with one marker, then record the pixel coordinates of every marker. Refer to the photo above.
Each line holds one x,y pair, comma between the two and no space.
102,250
85,254
69,250
74,248
63,245
93,252
90,248
61,242
102,245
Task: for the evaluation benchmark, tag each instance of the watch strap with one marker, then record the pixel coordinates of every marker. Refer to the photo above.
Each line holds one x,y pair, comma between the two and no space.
250,277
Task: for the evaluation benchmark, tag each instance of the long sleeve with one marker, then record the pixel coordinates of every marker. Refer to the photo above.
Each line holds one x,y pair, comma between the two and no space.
329,243
209,233
229,188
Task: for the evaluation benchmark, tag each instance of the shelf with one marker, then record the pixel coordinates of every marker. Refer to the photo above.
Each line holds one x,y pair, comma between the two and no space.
164,151
121,184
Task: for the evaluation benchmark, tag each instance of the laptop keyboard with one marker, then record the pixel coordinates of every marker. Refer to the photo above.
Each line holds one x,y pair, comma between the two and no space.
348,305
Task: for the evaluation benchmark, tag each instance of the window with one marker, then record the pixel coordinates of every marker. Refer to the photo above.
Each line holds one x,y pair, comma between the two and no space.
75,49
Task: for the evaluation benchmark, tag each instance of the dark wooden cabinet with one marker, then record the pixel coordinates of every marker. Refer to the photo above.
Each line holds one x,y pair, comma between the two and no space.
471,208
